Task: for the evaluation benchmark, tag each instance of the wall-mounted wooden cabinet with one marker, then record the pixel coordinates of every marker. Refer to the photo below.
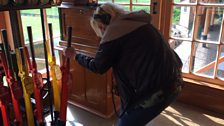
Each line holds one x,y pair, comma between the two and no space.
88,90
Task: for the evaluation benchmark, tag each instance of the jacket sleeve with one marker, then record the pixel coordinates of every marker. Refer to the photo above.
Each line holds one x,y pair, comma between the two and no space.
105,58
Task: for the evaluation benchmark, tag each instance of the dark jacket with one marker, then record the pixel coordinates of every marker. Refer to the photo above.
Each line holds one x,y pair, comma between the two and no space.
141,60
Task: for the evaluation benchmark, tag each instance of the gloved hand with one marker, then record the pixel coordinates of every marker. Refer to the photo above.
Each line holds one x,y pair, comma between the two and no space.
69,52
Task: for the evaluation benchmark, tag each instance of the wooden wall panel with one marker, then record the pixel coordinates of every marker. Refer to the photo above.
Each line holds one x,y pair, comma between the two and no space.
2,21
203,96
5,24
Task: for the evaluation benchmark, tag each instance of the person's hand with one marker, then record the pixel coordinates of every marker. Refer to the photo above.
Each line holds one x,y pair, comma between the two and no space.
69,52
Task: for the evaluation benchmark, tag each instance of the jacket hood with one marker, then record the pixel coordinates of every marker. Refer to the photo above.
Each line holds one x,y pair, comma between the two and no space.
125,24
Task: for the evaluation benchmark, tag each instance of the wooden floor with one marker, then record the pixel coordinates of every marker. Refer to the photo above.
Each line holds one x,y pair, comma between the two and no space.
184,115
177,114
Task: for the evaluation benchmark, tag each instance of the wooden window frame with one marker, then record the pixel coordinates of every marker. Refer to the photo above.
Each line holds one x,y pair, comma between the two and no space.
158,8
131,4
163,22
191,75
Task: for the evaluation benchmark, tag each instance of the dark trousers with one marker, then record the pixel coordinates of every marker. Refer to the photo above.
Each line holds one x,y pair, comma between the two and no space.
141,116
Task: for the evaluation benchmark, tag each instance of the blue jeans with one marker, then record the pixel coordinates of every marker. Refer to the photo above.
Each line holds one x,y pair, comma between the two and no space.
141,116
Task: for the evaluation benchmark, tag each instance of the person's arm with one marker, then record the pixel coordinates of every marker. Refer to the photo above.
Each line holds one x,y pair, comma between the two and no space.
105,58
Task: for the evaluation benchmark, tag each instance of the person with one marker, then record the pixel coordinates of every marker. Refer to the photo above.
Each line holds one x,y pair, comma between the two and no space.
147,71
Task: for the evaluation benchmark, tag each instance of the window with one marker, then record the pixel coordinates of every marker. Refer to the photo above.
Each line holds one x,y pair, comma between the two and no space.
53,18
150,6
32,18
132,5
196,34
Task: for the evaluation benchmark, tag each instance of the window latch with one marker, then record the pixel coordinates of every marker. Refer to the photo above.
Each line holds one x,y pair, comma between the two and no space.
154,8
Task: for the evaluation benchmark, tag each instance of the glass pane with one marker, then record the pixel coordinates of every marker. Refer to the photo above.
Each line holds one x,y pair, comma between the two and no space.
53,18
39,54
220,73
204,59
31,18
183,49
141,1
126,7
182,21
122,1
184,1
103,1
145,8
209,23
212,1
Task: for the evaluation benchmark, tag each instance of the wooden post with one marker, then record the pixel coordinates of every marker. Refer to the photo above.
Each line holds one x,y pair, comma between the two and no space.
212,16
2,21
207,23
6,24
198,21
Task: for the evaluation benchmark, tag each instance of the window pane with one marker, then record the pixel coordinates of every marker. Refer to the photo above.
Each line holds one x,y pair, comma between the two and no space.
122,1
182,21
126,7
103,1
39,54
136,8
183,49
53,18
141,1
204,59
209,23
212,1
32,18
221,65
184,1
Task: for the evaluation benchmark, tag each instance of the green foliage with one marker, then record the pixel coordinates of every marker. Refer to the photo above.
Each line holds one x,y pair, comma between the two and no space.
177,1
32,18
176,15
126,1
146,7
